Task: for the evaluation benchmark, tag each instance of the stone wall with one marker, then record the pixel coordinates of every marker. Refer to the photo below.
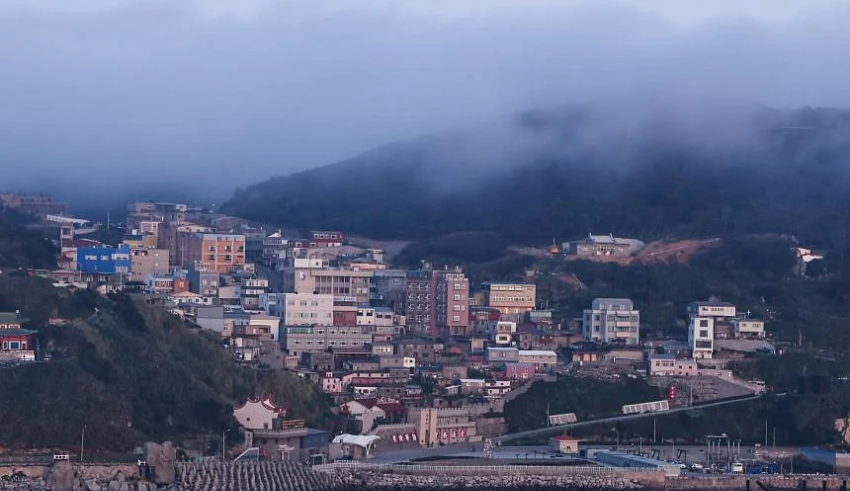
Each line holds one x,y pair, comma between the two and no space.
750,483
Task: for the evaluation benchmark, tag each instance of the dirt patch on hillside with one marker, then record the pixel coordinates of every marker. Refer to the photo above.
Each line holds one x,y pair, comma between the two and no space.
668,252
661,251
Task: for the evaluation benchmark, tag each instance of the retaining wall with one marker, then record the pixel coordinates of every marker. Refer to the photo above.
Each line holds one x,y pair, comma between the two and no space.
751,483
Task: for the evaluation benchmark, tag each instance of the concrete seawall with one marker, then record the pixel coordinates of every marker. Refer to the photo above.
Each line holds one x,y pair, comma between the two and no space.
752,483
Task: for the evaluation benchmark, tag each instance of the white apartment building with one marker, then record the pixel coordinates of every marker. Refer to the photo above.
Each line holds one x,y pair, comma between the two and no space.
307,309
611,319
701,337
711,308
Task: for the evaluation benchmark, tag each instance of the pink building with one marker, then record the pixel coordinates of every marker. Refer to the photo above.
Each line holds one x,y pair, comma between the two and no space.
519,371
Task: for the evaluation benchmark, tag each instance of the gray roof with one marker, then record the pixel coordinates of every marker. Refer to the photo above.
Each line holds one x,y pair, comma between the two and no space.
12,318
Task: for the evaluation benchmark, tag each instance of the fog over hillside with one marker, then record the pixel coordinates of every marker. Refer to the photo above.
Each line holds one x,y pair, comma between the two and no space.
113,98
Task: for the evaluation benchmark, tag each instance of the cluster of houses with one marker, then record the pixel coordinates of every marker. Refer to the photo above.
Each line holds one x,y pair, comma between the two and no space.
417,357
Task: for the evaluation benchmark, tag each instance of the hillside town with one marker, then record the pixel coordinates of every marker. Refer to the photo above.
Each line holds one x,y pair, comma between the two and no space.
411,358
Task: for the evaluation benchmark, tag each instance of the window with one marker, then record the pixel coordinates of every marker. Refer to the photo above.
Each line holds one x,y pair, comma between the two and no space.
703,333
457,297
456,318
703,323
458,286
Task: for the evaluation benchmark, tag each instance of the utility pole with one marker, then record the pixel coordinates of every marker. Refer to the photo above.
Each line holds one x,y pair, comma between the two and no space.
223,445
654,421
83,443
765,432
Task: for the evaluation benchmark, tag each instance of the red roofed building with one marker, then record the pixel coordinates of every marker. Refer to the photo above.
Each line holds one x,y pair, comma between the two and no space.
17,343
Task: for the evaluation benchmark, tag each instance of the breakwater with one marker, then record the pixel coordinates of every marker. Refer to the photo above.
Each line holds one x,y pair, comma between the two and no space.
381,481
282,476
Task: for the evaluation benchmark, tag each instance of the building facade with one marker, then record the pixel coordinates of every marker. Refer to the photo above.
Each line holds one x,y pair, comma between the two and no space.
603,245
452,301
104,260
420,299
305,339
511,298
611,320
442,426
701,337
307,309
216,252
146,262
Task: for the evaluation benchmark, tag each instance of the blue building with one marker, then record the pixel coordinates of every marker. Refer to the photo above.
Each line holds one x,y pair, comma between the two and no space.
103,260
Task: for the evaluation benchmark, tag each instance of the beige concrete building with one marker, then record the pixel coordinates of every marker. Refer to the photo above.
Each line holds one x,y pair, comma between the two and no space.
307,309
510,298
147,262
443,425
299,340
748,328
312,276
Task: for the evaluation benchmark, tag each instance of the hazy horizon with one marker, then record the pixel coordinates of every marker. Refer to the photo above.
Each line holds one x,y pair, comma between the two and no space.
107,100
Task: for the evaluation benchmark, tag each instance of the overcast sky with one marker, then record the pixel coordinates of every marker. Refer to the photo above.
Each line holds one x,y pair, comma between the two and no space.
224,93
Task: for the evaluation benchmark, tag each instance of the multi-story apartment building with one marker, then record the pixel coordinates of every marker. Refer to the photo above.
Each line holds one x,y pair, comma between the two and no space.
297,340
275,248
149,211
707,320
252,288
611,320
452,301
175,237
701,337
509,297
146,262
39,205
307,309
437,299
420,298
217,252
312,275
204,282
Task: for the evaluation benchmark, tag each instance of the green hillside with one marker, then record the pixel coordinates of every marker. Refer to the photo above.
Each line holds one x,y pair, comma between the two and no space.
130,373
21,247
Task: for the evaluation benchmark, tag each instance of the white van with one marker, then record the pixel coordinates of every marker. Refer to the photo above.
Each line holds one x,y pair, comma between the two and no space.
61,456
736,468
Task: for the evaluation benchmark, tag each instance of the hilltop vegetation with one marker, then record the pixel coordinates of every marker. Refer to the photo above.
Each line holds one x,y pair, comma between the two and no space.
130,373
722,176
21,247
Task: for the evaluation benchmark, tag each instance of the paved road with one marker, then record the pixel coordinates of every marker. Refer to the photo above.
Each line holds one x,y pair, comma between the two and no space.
552,430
